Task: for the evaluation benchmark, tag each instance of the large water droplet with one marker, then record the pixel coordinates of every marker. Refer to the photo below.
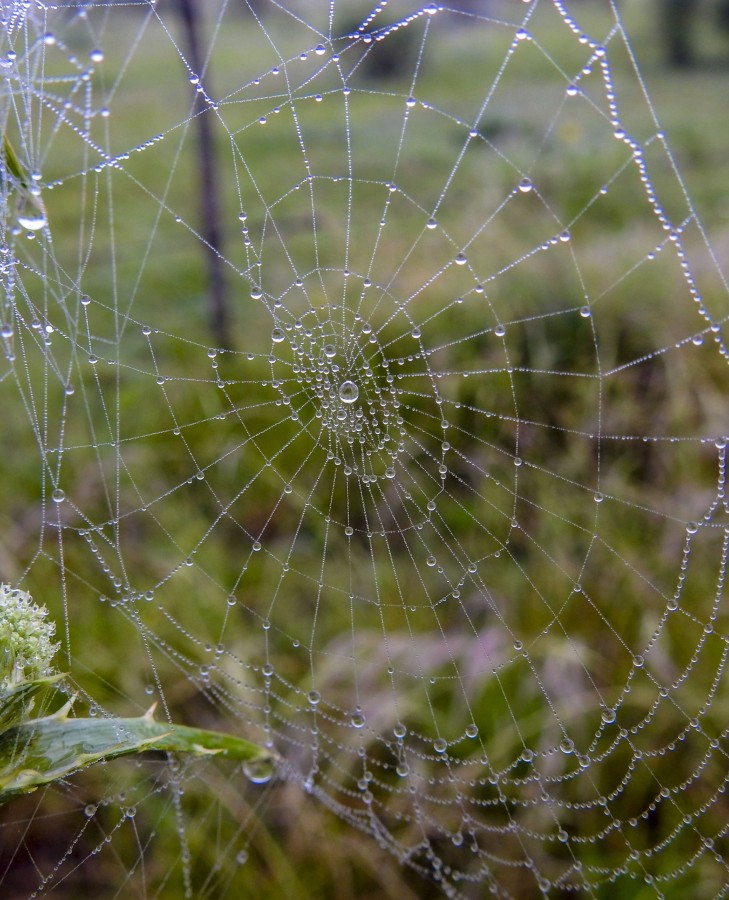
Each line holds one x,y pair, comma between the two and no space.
278,335
30,213
259,771
348,392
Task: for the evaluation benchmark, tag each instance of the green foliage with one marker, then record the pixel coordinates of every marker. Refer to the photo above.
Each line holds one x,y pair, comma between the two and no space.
39,751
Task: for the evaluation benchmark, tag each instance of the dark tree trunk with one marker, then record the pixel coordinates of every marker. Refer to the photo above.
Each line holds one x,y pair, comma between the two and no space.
209,188
676,18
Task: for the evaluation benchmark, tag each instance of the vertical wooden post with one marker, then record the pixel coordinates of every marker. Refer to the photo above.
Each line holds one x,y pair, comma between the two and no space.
209,187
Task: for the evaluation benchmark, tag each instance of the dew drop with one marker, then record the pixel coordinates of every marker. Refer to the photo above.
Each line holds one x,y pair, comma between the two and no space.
30,213
440,745
330,351
278,335
525,185
348,392
58,496
259,771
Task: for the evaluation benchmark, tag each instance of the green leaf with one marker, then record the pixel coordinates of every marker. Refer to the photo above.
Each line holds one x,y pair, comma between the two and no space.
17,702
12,163
39,751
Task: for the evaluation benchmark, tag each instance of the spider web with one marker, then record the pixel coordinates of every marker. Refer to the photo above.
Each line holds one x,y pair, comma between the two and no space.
443,521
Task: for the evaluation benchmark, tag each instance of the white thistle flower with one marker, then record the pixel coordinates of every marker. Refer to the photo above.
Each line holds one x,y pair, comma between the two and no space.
26,639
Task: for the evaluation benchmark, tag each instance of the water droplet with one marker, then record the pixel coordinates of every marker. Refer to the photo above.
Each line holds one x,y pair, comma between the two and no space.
6,331
278,335
96,56
430,561
30,213
241,857
90,811
259,771
330,351
416,333
348,392
410,102
461,259
608,716
525,185
402,769
399,731
320,50
471,731
390,472
440,745
314,698
58,496
349,531
358,720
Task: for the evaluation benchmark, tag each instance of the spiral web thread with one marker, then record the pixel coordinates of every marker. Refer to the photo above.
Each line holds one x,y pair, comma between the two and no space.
446,524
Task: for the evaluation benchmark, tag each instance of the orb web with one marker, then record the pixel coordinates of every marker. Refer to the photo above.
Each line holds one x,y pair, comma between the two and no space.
443,518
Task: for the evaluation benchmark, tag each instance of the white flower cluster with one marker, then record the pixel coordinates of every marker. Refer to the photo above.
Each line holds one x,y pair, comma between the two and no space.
26,645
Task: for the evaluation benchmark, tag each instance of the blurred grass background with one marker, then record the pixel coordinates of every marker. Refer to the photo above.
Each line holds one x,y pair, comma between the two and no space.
295,847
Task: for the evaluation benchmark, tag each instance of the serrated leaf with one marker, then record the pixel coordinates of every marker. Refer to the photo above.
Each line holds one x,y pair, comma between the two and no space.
40,751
